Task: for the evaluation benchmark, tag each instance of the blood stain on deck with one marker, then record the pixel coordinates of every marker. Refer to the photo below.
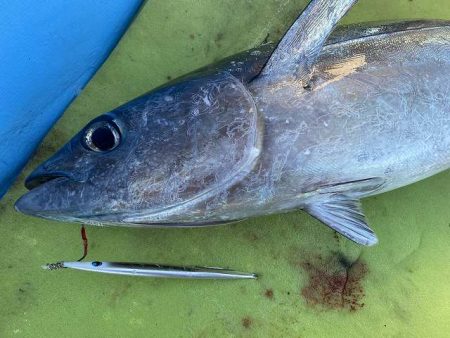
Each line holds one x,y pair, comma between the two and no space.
334,282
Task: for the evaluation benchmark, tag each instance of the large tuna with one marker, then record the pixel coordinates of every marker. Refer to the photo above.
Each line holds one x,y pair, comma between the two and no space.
315,123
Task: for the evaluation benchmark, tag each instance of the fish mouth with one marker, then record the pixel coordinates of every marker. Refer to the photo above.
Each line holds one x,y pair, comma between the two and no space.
35,180
38,200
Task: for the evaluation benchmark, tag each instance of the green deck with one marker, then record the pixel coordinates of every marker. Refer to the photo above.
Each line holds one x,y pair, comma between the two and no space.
397,288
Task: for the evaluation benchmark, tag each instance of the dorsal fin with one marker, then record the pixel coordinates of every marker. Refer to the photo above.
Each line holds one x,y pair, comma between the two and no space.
301,45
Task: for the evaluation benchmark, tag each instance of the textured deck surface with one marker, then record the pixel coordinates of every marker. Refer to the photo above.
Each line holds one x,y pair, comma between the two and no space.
313,282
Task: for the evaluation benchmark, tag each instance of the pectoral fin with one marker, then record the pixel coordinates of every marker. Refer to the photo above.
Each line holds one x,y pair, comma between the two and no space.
339,207
346,217
299,48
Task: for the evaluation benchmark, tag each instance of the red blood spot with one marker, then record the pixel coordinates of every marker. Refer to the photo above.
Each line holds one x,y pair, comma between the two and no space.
269,293
334,283
246,322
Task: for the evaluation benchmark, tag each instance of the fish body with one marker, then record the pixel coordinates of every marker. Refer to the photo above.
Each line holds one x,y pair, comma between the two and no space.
376,107
266,131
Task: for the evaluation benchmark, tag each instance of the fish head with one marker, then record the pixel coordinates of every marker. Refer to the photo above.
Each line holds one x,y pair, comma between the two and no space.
154,160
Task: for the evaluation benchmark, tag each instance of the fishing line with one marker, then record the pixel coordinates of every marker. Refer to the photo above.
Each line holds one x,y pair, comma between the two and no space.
85,243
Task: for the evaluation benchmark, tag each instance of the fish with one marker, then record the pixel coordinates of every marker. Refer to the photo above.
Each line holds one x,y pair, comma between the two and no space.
317,122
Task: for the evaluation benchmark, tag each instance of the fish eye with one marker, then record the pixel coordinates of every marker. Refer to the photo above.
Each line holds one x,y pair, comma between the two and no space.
102,136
